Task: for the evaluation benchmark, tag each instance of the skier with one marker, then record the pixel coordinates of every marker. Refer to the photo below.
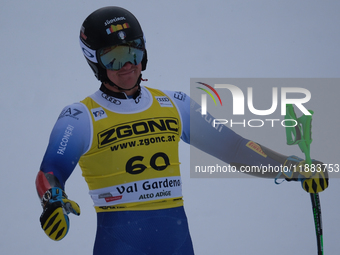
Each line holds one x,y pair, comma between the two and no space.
125,138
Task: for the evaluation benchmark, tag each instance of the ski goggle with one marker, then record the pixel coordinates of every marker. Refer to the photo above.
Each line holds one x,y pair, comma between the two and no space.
115,57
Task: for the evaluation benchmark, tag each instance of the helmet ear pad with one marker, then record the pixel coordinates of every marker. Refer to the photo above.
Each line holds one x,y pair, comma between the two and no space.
99,72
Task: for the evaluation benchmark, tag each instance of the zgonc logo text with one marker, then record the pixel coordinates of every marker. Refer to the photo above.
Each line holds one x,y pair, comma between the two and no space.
136,129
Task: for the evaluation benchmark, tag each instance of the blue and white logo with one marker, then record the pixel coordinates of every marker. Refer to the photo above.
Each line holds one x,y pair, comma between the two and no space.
89,53
98,113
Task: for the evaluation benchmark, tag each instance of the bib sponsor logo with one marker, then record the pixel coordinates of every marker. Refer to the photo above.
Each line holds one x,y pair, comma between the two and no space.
137,129
98,113
144,190
164,101
113,198
111,99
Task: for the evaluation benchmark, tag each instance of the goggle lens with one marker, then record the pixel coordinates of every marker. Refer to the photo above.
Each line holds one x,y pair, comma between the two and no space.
115,57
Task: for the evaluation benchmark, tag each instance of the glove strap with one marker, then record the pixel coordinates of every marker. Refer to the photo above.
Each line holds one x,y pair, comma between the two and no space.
290,162
54,194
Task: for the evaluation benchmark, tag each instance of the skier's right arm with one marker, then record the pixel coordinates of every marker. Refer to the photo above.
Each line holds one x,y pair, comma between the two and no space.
69,140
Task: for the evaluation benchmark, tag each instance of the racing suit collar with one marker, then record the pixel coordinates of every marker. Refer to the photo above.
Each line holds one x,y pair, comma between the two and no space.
120,95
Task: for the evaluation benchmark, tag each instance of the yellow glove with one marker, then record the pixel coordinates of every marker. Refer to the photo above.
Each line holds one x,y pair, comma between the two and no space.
314,177
54,219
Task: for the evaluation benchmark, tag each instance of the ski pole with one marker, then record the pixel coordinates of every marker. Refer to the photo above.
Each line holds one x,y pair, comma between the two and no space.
301,134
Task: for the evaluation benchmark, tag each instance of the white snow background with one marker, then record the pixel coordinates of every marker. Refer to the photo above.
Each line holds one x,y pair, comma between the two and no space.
43,69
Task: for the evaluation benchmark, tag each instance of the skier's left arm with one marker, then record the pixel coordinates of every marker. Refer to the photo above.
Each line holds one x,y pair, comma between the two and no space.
224,144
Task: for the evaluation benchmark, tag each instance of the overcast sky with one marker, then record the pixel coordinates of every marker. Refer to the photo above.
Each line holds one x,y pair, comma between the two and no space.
43,69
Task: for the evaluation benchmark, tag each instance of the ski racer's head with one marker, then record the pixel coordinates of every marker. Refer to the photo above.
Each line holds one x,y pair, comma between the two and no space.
111,38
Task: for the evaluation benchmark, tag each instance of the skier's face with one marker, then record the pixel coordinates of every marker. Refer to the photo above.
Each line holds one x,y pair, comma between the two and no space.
126,77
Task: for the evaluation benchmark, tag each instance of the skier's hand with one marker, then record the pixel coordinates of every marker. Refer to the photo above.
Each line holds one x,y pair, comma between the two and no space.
314,178
54,220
